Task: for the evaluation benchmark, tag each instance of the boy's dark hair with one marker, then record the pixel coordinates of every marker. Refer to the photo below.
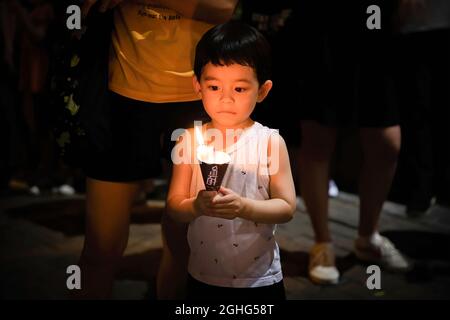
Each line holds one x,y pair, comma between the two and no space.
234,42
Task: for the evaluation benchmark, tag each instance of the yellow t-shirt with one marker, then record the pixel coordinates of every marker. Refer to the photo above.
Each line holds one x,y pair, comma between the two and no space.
152,53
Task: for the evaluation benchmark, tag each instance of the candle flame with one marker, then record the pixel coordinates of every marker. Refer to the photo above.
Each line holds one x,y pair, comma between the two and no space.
199,136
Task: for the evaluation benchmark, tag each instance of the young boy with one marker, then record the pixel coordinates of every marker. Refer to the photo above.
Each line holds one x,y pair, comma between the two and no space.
233,252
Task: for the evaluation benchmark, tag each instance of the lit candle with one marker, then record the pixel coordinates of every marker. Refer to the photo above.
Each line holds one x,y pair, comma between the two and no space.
203,151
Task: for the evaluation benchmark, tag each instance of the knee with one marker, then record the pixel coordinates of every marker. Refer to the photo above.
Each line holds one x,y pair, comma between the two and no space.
381,147
392,151
316,150
317,143
102,252
384,153
391,148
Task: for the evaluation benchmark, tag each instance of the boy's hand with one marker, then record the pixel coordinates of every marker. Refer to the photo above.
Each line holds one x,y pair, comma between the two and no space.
203,202
227,205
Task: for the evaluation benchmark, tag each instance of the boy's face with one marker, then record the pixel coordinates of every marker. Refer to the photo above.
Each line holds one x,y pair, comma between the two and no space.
230,93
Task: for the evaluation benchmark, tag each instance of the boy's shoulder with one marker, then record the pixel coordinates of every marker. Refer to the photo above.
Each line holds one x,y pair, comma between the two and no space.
271,133
274,138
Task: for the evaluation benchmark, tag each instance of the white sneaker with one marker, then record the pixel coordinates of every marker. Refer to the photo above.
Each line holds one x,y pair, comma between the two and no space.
322,267
34,190
66,190
380,250
333,190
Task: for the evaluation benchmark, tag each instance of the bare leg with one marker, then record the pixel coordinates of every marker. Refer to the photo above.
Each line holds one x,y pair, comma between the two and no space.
172,273
294,156
380,148
318,143
108,206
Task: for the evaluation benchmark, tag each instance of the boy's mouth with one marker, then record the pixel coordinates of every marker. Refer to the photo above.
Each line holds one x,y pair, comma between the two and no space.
226,112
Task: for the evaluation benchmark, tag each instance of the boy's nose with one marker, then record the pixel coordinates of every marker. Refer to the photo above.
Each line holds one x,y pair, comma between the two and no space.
227,96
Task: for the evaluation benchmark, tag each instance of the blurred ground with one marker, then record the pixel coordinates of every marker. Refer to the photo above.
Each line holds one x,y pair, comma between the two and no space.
41,235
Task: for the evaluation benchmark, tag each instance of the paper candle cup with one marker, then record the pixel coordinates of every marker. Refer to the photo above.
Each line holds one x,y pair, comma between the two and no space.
213,165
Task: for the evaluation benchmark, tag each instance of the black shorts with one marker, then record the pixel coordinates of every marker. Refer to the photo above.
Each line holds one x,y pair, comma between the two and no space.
197,290
140,138
346,71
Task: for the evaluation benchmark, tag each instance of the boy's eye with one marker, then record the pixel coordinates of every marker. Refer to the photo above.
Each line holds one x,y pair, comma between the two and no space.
214,88
239,89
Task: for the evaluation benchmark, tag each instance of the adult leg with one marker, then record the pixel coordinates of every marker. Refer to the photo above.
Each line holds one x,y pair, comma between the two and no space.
317,147
108,207
171,280
172,273
318,144
380,149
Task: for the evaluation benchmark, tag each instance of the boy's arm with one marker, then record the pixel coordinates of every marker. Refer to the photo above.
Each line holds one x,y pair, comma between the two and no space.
179,205
280,208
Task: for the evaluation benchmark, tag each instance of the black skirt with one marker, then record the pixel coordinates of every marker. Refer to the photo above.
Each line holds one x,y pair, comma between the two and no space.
140,138
346,72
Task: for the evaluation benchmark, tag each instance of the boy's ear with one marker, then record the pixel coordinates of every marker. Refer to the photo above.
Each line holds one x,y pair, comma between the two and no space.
264,90
197,87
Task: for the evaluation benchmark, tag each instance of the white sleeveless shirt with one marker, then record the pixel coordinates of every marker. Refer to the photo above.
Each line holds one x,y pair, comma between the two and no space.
237,253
